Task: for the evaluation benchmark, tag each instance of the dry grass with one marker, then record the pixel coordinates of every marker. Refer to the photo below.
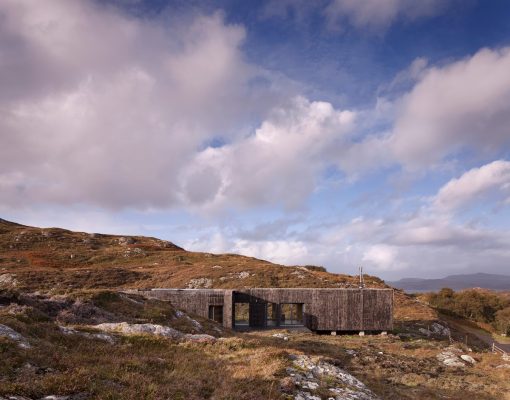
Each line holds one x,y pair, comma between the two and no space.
61,261
77,268
241,366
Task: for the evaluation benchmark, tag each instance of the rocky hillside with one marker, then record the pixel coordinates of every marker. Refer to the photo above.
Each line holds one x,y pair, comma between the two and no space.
60,260
98,344
68,333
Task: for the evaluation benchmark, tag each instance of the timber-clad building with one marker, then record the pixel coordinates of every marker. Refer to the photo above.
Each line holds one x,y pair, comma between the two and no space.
332,310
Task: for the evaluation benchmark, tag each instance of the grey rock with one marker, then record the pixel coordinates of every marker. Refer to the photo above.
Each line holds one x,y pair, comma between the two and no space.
140,329
8,281
468,358
198,283
11,334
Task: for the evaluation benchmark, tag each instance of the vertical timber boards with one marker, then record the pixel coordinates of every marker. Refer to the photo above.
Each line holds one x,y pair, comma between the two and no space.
378,310
324,309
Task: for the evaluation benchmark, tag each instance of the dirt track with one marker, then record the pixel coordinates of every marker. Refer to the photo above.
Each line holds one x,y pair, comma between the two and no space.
479,333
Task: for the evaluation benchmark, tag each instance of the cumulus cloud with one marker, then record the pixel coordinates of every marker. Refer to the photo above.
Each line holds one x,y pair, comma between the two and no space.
380,14
279,164
382,256
462,105
474,184
440,232
101,108
372,15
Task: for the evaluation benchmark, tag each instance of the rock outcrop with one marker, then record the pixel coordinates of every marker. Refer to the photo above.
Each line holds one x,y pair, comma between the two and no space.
11,334
309,374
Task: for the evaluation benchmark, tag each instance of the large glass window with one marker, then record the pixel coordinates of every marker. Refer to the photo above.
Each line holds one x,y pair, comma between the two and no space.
242,314
272,316
216,313
291,314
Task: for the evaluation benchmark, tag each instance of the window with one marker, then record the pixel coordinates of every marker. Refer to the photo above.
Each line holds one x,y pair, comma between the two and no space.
291,314
216,313
241,314
271,315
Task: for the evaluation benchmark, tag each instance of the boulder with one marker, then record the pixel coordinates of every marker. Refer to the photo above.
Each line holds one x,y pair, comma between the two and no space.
8,281
280,336
450,357
200,338
140,329
11,334
468,359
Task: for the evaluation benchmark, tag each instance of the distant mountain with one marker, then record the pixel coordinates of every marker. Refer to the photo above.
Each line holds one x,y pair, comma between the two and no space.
455,282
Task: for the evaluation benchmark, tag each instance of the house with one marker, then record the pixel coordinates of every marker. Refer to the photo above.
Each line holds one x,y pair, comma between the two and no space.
333,310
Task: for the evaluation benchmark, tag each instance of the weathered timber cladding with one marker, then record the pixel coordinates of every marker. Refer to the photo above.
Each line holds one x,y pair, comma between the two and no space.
323,309
196,301
338,309
377,310
228,309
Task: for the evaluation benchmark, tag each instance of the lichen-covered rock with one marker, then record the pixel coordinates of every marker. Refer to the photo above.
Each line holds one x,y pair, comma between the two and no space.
200,283
11,334
8,281
280,336
467,358
99,336
309,374
201,338
440,330
140,329
450,357
306,396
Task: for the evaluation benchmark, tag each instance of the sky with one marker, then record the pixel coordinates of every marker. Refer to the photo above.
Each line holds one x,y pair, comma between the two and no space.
337,133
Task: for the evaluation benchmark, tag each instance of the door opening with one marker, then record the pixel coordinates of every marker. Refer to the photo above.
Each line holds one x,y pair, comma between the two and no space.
291,314
216,313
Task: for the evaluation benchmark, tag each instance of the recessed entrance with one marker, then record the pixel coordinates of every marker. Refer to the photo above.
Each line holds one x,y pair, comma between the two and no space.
241,314
272,314
216,313
291,314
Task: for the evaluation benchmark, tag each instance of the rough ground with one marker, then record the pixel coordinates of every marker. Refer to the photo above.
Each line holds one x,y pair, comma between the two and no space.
60,261
106,345
65,332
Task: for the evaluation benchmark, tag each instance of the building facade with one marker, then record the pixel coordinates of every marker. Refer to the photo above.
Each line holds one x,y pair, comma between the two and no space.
333,310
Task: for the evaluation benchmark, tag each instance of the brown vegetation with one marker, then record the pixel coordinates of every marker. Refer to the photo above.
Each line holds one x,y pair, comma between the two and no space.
492,309
57,277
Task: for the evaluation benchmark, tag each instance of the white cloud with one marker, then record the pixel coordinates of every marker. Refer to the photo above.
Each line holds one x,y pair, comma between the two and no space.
279,164
374,15
380,14
279,251
473,185
440,232
462,105
101,108
382,256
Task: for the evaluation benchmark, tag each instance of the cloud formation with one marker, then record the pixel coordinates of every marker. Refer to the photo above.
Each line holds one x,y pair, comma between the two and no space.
380,14
464,105
82,122
372,15
474,184
279,164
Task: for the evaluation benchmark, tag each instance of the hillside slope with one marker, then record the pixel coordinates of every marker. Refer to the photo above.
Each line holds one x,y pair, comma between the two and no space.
65,330
61,260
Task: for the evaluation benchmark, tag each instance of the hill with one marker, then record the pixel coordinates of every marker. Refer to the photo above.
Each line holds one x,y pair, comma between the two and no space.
61,260
455,282
67,332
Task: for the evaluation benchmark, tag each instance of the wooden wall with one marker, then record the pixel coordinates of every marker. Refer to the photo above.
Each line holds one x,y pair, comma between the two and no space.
324,309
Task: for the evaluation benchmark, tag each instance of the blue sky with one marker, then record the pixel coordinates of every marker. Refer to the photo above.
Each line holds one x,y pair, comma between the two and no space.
337,132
